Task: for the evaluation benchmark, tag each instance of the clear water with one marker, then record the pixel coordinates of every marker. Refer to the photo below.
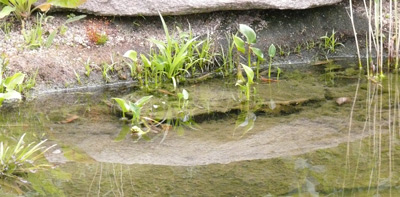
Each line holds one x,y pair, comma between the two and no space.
292,139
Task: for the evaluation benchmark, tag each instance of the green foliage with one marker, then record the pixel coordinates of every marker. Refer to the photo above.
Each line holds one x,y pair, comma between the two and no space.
172,59
279,71
250,80
23,8
183,99
9,85
134,108
271,53
249,33
33,38
88,68
78,77
137,119
19,160
330,42
242,47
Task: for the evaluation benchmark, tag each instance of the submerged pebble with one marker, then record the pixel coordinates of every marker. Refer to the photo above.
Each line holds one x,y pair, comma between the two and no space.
343,100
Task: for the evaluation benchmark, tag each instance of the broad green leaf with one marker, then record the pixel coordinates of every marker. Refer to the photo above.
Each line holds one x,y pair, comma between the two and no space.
123,104
249,73
6,11
13,81
131,54
185,94
142,101
75,18
11,95
145,61
271,51
4,2
239,43
67,3
248,32
258,53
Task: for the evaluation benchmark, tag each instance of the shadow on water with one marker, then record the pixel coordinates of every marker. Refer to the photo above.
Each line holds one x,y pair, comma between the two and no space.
327,132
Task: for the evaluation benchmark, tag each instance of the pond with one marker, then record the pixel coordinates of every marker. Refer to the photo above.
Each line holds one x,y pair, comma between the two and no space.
318,130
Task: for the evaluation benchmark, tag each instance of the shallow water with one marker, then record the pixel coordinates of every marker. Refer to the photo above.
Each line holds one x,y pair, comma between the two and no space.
291,139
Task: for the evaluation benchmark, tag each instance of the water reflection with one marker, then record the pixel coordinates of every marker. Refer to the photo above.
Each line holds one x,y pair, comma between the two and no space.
292,139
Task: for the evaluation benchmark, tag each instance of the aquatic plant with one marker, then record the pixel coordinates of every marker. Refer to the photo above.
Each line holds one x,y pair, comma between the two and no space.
23,8
19,160
135,68
250,77
134,108
279,71
9,85
172,59
183,99
241,46
271,53
173,55
330,42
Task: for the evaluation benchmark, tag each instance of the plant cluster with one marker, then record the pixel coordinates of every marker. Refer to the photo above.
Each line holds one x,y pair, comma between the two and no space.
10,87
330,42
172,59
18,160
24,8
97,30
135,109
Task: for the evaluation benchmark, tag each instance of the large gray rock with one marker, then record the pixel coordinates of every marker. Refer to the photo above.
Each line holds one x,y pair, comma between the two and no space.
180,7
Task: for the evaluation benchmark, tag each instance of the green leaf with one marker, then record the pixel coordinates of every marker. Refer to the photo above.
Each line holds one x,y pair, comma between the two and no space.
13,81
248,32
145,61
131,54
67,3
6,11
143,101
239,43
258,53
271,51
50,39
75,18
123,104
249,73
11,95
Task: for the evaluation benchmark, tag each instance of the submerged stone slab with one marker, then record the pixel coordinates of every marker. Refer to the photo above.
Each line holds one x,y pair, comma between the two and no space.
180,7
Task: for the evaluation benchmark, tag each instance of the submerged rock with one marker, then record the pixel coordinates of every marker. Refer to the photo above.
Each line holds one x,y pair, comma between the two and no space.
343,100
179,7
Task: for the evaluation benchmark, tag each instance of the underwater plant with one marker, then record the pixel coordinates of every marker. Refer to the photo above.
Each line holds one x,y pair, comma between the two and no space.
135,108
250,76
271,53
